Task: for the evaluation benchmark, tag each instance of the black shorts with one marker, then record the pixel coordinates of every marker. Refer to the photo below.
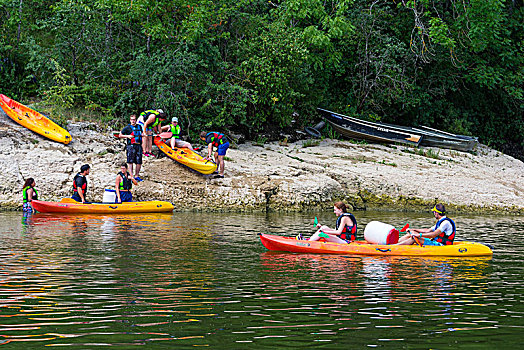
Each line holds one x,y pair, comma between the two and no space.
134,154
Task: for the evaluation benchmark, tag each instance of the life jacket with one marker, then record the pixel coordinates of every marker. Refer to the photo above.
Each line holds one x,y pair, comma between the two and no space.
175,130
137,133
217,138
24,194
84,184
125,183
146,114
349,233
443,238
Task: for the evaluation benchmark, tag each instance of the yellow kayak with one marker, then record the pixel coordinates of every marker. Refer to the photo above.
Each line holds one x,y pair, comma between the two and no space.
288,244
186,157
69,205
33,120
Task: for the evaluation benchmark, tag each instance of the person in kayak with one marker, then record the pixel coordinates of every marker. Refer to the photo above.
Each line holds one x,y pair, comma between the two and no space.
175,140
150,121
220,141
28,194
442,233
345,230
133,134
124,182
80,184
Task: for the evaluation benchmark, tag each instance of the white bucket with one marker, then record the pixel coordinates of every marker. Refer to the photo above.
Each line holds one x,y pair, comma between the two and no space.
109,196
380,233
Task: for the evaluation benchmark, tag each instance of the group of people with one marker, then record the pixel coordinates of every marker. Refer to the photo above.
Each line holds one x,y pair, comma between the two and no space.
140,132
345,231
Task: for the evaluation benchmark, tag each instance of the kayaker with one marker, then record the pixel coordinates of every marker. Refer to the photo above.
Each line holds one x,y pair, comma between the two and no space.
175,140
80,184
28,194
150,121
442,233
123,184
220,141
345,230
133,134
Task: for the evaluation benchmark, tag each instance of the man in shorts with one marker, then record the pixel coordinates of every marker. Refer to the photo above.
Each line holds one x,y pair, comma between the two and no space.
220,141
133,134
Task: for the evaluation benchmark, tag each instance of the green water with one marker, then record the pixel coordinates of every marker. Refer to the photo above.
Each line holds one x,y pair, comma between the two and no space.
186,280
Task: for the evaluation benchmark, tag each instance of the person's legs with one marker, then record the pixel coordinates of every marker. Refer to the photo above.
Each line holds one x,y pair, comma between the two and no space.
183,144
407,241
329,238
403,238
137,160
220,163
221,152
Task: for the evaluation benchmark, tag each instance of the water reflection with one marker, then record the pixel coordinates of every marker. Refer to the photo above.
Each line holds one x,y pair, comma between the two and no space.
205,280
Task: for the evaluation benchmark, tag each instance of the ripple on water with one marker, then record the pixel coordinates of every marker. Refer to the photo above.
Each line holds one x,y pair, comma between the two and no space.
190,280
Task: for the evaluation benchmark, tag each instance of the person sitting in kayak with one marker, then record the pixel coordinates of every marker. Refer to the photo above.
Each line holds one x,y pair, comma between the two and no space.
345,230
442,233
220,141
175,140
80,184
150,121
28,194
123,184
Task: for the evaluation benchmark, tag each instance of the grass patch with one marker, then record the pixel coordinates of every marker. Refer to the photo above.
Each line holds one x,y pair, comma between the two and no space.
228,159
260,141
424,153
310,143
386,163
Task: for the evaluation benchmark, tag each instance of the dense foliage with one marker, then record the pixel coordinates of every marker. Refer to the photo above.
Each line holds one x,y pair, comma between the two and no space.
254,65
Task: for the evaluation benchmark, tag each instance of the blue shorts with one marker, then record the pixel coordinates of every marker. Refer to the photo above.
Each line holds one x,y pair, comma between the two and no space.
428,241
222,149
125,196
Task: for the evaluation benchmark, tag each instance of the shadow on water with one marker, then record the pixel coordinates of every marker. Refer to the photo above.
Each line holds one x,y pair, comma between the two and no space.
186,279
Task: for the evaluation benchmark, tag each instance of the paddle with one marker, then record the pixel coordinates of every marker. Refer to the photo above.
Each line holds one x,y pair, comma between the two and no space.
163,135
321,234
71,200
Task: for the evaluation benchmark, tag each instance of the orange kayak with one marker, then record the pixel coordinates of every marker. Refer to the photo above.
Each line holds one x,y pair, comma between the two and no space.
68,205
289,244
186,157
33,120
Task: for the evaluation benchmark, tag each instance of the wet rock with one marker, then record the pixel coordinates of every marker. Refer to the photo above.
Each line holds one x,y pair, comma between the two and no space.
279,176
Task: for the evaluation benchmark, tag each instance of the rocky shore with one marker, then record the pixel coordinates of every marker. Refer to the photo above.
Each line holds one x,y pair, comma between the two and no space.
304,175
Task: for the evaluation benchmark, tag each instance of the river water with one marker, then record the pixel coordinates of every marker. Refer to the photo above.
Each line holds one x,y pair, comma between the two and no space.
193,279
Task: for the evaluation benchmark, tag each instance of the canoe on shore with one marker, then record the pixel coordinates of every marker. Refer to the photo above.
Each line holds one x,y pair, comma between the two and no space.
389,133
187,157
289,244
68,205
33,120
364,130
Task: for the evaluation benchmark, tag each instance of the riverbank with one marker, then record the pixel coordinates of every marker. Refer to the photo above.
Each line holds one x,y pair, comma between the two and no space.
305,175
